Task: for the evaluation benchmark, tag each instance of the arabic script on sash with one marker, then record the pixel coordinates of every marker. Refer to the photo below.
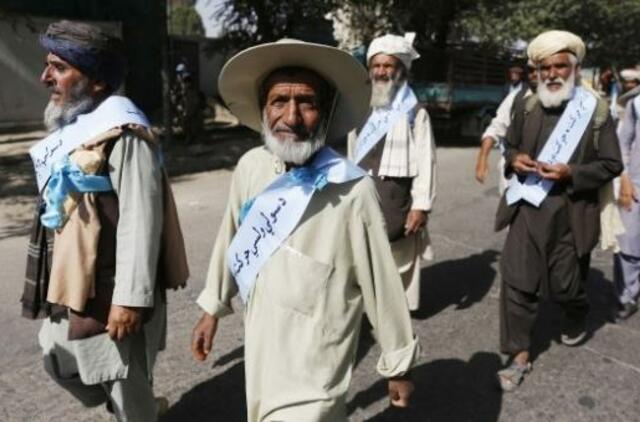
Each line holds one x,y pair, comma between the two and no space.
275,213
113,112
382,120
559,148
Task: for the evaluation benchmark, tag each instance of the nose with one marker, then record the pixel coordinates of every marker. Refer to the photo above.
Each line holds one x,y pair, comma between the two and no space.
45,77
379,72
291,116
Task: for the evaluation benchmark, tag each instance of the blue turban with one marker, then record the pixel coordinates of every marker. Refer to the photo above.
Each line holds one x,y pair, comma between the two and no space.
91,50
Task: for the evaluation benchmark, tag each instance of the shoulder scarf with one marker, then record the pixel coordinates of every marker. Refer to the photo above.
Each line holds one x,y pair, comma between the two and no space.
60,175
113,112
382,120
268,219
559,148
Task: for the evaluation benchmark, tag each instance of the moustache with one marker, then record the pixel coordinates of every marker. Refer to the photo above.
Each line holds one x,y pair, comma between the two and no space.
299,131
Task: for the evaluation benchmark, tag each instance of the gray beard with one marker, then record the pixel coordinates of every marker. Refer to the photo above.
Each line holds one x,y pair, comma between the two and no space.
57,116
290,151
382,93
554,99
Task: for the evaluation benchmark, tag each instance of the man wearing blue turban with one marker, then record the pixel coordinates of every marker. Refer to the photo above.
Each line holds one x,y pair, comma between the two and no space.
105,240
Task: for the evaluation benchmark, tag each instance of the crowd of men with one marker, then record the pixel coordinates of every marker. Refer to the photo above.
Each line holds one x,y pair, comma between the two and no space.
310,241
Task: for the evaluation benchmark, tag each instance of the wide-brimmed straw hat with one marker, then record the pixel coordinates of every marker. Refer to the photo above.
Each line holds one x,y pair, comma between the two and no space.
242,76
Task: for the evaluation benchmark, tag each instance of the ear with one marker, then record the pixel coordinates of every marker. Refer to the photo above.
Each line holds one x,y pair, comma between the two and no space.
98,88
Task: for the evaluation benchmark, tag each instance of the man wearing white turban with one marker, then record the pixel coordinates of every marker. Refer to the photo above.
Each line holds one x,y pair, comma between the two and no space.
397,148
626,262
561,148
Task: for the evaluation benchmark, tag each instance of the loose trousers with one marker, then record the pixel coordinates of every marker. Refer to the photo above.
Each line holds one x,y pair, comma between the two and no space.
539,261
131,397
626,277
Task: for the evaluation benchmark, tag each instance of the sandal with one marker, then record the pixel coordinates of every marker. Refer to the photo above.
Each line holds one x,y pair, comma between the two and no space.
512,376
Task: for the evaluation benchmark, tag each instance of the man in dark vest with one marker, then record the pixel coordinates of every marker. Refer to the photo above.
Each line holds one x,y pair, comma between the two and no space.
105,240
396,146
561,149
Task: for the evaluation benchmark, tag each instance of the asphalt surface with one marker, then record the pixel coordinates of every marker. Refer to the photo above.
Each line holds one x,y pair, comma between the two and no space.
457,326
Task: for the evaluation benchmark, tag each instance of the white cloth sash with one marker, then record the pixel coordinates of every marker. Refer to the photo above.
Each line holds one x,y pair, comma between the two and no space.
636,106
382,120
275,213
559,148
113,112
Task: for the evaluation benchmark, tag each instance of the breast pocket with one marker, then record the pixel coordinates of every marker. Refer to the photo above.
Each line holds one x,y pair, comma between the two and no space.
295,281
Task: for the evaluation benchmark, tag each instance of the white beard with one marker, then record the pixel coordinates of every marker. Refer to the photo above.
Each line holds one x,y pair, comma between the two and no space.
554,99
290,151
57,116
382,93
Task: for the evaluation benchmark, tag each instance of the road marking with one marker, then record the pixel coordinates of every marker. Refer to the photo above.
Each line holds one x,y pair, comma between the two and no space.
618,361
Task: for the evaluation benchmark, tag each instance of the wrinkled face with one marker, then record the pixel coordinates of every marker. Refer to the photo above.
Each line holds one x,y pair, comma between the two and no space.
292,109
557,69
383,67
60,78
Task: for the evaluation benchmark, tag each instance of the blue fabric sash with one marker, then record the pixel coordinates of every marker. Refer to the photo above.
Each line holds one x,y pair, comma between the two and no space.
382,120
67,177
559,148
268,219
115,111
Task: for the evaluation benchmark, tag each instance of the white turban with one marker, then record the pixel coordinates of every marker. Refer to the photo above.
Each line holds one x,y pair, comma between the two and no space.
630,74
396,46
552,42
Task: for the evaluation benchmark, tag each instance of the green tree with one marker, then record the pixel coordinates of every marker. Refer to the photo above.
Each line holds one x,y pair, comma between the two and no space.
608,27
184,20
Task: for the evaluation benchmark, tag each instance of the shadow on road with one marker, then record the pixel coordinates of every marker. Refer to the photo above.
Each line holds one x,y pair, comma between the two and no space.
448,390
547,328
461,282
220,398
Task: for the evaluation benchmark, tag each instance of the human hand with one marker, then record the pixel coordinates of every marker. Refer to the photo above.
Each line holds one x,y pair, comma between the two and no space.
202,336
400,391
123,321
523,164
482,169
416,219
627,193
556,172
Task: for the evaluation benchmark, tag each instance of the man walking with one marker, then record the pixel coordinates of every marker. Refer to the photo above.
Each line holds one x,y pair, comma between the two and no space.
627,261
396,147
302,239
496,132
561,148
105,240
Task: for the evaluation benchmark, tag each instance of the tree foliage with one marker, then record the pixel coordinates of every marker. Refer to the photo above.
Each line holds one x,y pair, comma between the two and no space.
248,22
607,26
183,19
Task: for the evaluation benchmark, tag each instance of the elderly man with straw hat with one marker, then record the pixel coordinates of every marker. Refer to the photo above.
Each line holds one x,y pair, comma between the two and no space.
561,148
302,240
396,147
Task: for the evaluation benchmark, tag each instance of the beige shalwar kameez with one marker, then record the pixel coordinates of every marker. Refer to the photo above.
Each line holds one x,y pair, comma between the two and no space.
94,368
410,151
303,317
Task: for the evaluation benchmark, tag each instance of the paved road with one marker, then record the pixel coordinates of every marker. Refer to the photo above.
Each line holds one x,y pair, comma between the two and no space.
458,328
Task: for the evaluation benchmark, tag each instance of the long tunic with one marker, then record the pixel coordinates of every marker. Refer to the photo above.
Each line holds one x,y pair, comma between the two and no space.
302,320
136,177
629,136
409,152
571,207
